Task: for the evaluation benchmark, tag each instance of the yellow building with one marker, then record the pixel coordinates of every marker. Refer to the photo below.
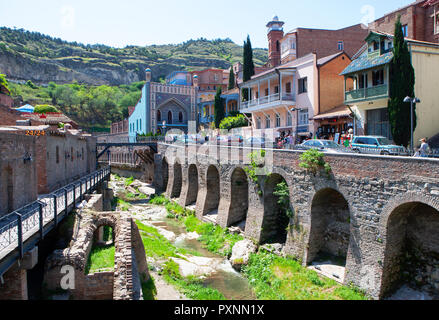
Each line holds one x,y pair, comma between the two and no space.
367,86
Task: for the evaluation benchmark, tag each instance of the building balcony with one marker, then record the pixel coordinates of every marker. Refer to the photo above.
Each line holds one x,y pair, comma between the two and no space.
372,93
207,119
267,102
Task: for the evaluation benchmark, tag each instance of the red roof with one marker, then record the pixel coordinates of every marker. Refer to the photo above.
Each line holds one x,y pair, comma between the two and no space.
430,3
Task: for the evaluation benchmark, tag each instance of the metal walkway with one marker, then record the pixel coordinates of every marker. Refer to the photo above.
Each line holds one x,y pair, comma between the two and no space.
22,229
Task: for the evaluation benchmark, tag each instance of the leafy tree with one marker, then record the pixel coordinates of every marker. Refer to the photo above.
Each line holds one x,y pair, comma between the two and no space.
234,122
31,84
45,109
402,84
232,82
219,108
249,66
4,82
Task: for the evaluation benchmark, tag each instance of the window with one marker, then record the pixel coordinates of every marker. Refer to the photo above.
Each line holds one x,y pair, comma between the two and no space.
277,46
159,116
340,45
303,117
258,123
376,46
140,124
303,85
266,92
170,117
71,151
288,87
362,83
289,120
276,89
267,122
405,30
378,77
57,154
277,121
436,20
180,117
82,153
293,44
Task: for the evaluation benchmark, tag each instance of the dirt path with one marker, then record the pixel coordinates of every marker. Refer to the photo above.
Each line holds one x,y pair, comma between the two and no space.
164,290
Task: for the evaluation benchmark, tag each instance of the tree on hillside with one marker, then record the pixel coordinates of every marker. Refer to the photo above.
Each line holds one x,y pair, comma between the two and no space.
232,83
402,84
219,108
249,66
3,81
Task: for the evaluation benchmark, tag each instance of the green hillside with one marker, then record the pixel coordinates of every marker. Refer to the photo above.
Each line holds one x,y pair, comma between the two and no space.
33,56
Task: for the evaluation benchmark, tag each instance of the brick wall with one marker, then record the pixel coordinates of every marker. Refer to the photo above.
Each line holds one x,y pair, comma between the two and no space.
18,180
419,22
325,42
350,212
6,100
331,84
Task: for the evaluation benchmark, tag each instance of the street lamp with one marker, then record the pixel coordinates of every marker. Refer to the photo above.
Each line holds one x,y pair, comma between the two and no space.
412,102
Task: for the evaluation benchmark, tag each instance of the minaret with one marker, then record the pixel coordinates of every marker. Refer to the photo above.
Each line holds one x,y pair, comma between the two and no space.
275,35
148,75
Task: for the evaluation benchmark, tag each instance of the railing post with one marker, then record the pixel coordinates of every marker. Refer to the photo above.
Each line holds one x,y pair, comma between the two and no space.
20,234
40,210
80,191
74,196
55,208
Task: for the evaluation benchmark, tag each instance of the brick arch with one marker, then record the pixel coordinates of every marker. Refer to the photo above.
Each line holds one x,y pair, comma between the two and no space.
408,229
239,196
165,173
213,188
330,216
402,199
193,184
177,184
275,222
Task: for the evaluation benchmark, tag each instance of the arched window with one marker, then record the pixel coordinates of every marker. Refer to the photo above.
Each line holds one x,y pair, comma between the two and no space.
267,122
159,116
180,117
170,117
277,121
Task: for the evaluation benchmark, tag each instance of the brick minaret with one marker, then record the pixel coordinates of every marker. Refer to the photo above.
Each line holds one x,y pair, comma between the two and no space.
275,35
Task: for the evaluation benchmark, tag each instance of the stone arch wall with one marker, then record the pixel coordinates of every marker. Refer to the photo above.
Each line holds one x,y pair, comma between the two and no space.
368,193
408,231
190,185
329,225
239,192
177,179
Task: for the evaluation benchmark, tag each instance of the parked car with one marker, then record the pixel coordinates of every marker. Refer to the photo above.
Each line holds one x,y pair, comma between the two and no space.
326,146
229,140
255,142
185,139
377,145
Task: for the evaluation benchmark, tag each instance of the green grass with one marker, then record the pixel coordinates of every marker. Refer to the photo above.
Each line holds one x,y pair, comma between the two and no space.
100,258
277,278
157,246
149,289
215,239
173,208
122,204
129,181
191,287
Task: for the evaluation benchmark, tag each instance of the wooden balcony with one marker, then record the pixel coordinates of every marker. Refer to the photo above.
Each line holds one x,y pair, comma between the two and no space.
372,93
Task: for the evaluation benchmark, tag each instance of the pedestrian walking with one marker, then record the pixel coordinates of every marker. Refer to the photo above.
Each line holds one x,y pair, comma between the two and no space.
423,151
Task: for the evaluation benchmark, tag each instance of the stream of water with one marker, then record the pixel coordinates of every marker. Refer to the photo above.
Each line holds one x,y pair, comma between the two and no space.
229,282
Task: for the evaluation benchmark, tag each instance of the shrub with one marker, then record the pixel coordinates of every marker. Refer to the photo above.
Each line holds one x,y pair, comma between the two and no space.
313,160
234,122
45,108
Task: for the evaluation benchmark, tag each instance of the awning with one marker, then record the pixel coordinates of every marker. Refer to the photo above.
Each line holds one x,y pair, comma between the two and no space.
338,112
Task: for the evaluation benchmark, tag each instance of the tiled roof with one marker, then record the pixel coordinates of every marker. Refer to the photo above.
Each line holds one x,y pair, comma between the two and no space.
365,62
324,60
337,112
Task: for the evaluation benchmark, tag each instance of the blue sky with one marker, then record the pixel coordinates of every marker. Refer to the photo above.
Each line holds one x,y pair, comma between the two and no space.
144,22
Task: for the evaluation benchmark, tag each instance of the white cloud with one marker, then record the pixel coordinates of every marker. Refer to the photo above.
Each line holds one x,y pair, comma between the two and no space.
68,17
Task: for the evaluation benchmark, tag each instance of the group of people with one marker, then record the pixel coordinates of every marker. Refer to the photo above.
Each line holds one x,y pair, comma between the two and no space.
286,138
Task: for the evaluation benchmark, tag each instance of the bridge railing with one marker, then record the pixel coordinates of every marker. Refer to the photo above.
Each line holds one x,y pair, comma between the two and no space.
20,225
125,138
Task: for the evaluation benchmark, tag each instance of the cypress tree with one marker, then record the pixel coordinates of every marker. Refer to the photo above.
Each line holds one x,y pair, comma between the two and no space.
231,79
402,84
219,108
248,67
